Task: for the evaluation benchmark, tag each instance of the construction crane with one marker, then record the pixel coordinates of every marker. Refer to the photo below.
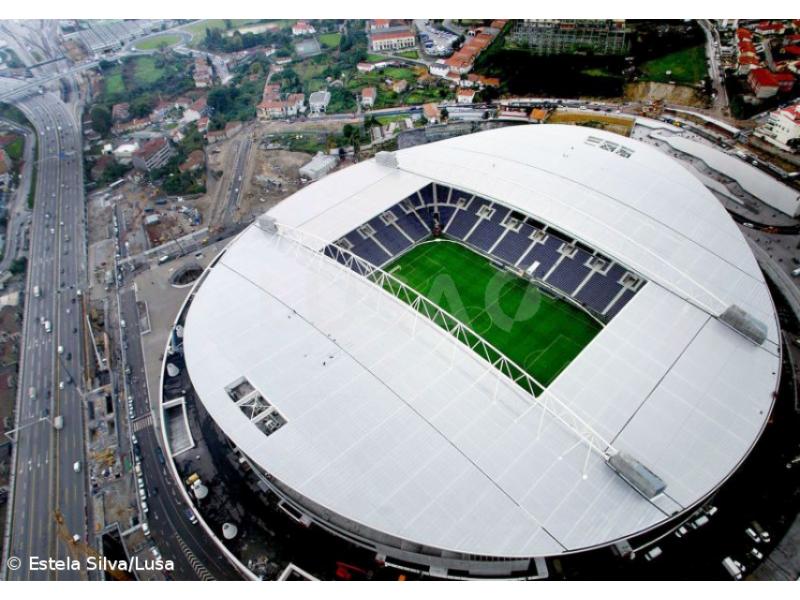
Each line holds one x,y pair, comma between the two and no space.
79,549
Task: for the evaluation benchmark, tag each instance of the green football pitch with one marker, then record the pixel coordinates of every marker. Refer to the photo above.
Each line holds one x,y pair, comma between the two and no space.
540,333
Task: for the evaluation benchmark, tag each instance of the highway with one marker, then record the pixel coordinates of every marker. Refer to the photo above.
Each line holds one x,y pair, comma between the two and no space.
45,478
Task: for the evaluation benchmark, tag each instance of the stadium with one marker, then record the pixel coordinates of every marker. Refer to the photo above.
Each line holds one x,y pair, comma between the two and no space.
473,355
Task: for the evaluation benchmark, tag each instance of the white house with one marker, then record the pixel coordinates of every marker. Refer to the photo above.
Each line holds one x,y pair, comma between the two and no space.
782,126
303,28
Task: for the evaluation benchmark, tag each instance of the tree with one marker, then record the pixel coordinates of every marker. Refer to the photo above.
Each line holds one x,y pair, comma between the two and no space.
101,119
444,114
18,265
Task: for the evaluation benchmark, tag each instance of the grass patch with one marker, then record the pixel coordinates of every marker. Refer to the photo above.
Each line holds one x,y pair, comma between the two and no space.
686,66
373,58
540,333
146,71
112,79
413,54
15,148
400,73
158,41
198,29
330,40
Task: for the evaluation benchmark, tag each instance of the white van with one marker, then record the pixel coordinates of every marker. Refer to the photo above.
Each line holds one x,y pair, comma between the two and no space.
77,466
653,553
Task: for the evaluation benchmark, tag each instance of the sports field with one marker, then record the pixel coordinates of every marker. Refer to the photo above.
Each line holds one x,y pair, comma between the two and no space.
540,333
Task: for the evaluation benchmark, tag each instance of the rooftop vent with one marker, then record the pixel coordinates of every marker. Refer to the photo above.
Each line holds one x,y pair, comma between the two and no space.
642,479
387,159
739,319
267,223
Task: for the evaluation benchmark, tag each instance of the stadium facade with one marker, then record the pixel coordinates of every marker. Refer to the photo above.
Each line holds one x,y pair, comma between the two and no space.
378,415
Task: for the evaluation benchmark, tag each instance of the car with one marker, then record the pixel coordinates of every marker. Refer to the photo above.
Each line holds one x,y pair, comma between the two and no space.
77,466
190,516
755,553
762,533
653,553
61,385
711,510
681,531
145,529
752,535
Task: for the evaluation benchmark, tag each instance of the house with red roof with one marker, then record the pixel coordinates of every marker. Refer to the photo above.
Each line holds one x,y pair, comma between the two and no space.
391,40
465,96
368,96
763,83
303,28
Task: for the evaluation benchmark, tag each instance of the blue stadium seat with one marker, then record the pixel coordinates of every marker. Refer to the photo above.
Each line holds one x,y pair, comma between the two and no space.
601,289
620,304
391,239
545,254
570,273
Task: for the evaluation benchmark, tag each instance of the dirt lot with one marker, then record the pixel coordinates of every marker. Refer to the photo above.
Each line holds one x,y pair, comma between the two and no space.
316,126
274,177
671,94
614,123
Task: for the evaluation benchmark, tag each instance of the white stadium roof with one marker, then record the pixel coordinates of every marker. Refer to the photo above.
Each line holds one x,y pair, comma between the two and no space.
396,426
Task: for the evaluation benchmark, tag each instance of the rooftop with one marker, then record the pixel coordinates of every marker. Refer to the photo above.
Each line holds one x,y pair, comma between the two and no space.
383,430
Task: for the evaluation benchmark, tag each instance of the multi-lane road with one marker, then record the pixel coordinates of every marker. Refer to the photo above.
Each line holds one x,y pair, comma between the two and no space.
50,464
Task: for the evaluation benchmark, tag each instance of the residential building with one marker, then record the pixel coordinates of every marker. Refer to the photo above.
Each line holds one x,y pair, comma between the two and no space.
747,48
131,126
392,40
319,166
202,124
763,83
439,68
303,28
785,82
203,73
399,86
465,96
743,34
368,96
120,112
194,162
380,24
781,128
161,110
273,106
483,81
565,36
154,154
124,153
318,101
295,104
770,28
747,64
365,67
431,113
